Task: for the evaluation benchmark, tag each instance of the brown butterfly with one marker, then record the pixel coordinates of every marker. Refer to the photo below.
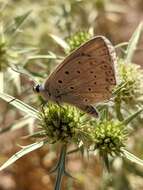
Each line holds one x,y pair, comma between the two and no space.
86,77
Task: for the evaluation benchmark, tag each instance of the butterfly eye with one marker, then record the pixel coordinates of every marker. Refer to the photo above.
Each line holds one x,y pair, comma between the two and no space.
36,88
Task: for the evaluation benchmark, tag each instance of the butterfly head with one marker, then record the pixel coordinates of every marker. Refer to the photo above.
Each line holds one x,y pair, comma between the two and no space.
38,88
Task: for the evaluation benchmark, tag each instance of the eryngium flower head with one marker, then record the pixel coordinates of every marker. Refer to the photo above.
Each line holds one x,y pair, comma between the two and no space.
77,39
109,137
59,122
131,76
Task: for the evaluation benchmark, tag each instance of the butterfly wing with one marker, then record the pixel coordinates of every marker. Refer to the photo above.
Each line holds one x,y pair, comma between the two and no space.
87,75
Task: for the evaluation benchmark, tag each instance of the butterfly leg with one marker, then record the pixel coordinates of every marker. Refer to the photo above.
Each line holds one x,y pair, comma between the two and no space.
89,109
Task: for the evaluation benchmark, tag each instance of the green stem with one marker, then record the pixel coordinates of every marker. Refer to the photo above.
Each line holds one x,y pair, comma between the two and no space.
105,159
118,110
61,167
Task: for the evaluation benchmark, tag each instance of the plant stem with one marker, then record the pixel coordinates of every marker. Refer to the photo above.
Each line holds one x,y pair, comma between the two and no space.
118,110
61,167
105,160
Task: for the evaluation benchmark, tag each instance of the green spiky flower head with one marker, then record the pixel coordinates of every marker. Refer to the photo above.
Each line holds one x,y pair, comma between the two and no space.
60,122
77,39
131,76
110,136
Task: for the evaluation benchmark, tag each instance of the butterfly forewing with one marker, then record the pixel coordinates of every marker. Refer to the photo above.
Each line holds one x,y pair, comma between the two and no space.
87,75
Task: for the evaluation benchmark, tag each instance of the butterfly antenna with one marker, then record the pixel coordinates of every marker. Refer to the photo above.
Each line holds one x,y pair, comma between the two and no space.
24,73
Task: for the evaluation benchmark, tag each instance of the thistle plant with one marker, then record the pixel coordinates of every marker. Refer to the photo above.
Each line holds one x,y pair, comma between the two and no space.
66,125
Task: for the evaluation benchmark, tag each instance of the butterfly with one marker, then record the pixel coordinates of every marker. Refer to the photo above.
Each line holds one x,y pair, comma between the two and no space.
85,78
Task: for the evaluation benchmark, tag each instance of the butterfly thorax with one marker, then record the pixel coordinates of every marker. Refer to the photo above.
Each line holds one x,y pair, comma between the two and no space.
50,93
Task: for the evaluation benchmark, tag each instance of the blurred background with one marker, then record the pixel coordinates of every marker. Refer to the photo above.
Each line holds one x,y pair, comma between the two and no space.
28,30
